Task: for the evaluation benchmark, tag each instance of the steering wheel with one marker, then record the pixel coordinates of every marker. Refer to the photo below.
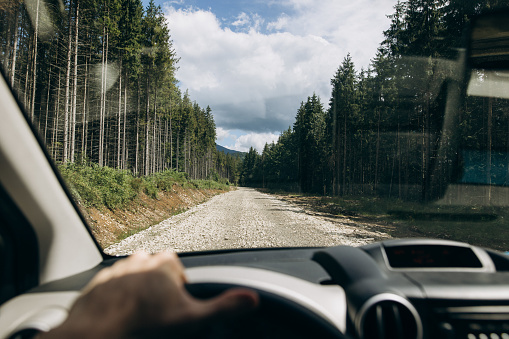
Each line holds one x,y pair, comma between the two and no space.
276,317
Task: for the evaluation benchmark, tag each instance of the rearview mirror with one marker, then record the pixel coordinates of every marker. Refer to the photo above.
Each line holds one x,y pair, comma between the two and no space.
489,41
481,168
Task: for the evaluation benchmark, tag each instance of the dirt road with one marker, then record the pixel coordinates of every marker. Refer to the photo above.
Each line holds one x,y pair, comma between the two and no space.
245,218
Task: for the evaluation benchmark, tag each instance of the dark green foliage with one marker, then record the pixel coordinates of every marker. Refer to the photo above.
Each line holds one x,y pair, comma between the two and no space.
100,186
249,169
309,129
92,185
163,181
226,167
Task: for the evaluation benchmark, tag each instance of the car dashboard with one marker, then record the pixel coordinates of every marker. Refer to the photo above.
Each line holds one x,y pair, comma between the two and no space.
408,288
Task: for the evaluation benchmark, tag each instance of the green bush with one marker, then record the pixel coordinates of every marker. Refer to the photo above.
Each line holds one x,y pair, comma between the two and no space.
97,186
78,180
93,185
150,187
137,184
209,184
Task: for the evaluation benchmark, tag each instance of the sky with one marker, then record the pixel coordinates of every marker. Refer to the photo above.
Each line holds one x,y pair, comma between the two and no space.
254,61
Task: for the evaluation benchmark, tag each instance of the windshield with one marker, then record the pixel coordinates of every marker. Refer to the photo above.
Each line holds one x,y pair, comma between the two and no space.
189,125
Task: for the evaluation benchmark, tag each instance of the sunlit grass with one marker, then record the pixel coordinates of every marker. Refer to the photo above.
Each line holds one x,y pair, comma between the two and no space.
92,185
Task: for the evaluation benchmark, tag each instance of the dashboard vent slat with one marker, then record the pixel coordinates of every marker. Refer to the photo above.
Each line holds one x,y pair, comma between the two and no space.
380,322
388,317
398,322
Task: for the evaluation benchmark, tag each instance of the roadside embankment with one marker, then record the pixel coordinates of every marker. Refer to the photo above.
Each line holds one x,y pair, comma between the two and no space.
118,204
112,225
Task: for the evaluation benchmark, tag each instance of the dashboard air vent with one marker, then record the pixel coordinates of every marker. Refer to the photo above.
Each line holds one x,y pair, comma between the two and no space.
388,316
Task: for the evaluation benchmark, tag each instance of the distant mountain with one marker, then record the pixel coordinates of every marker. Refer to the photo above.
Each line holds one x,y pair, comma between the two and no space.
225,150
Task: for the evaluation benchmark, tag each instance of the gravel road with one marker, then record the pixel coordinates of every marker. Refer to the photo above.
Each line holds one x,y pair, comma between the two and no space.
245,218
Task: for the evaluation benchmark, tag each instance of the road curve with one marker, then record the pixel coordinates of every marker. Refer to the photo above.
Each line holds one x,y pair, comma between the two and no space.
245,218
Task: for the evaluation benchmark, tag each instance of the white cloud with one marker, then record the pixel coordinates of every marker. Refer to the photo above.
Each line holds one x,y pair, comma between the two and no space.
242,20
248,22
258,21
279,24
354,26
252,81
255,81
222,134
241,141
256,140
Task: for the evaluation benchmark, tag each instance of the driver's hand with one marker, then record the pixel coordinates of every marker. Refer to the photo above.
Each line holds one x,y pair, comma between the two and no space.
143,296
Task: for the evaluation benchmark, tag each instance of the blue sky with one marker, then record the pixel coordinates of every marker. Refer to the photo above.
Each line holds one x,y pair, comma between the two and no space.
255,61
228,10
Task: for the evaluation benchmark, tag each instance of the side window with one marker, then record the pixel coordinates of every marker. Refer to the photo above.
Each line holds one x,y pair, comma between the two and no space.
19,264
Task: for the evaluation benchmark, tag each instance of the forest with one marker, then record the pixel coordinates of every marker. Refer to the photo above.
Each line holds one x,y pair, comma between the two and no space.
380,131
97,79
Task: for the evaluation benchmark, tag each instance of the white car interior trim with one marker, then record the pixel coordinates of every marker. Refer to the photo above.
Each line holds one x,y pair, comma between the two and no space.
41,311
65,246
327,301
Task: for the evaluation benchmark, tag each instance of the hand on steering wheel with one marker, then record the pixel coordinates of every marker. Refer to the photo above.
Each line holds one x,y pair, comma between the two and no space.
144,295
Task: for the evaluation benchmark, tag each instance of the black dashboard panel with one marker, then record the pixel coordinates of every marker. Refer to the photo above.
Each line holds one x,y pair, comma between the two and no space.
410,288
292,261
431,256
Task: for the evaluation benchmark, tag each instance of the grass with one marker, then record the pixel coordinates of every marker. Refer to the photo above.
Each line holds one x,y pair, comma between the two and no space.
482,226
209,184
95,186
130,232
92,185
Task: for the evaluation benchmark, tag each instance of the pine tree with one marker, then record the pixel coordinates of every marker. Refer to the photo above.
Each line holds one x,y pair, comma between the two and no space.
343,109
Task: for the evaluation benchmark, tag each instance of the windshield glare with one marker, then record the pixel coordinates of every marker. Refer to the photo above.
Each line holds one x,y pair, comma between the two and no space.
148,116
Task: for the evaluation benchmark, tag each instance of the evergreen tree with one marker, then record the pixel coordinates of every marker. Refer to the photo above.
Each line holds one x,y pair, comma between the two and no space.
103,88
342,112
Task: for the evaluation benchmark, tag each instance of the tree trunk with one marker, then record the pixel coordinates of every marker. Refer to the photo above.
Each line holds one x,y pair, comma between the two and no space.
54,137
147,149
160,146
377,149
185,150
104,72
34,79
124,145
426,152
75,87
119,116
14,50
26,101
336,143
48,95
137,150
154,136
101,108
177,151
343,189
171,144
67,89
489,142
84,117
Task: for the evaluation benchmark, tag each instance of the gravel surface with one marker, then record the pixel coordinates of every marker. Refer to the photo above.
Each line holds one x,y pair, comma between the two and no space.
241,219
